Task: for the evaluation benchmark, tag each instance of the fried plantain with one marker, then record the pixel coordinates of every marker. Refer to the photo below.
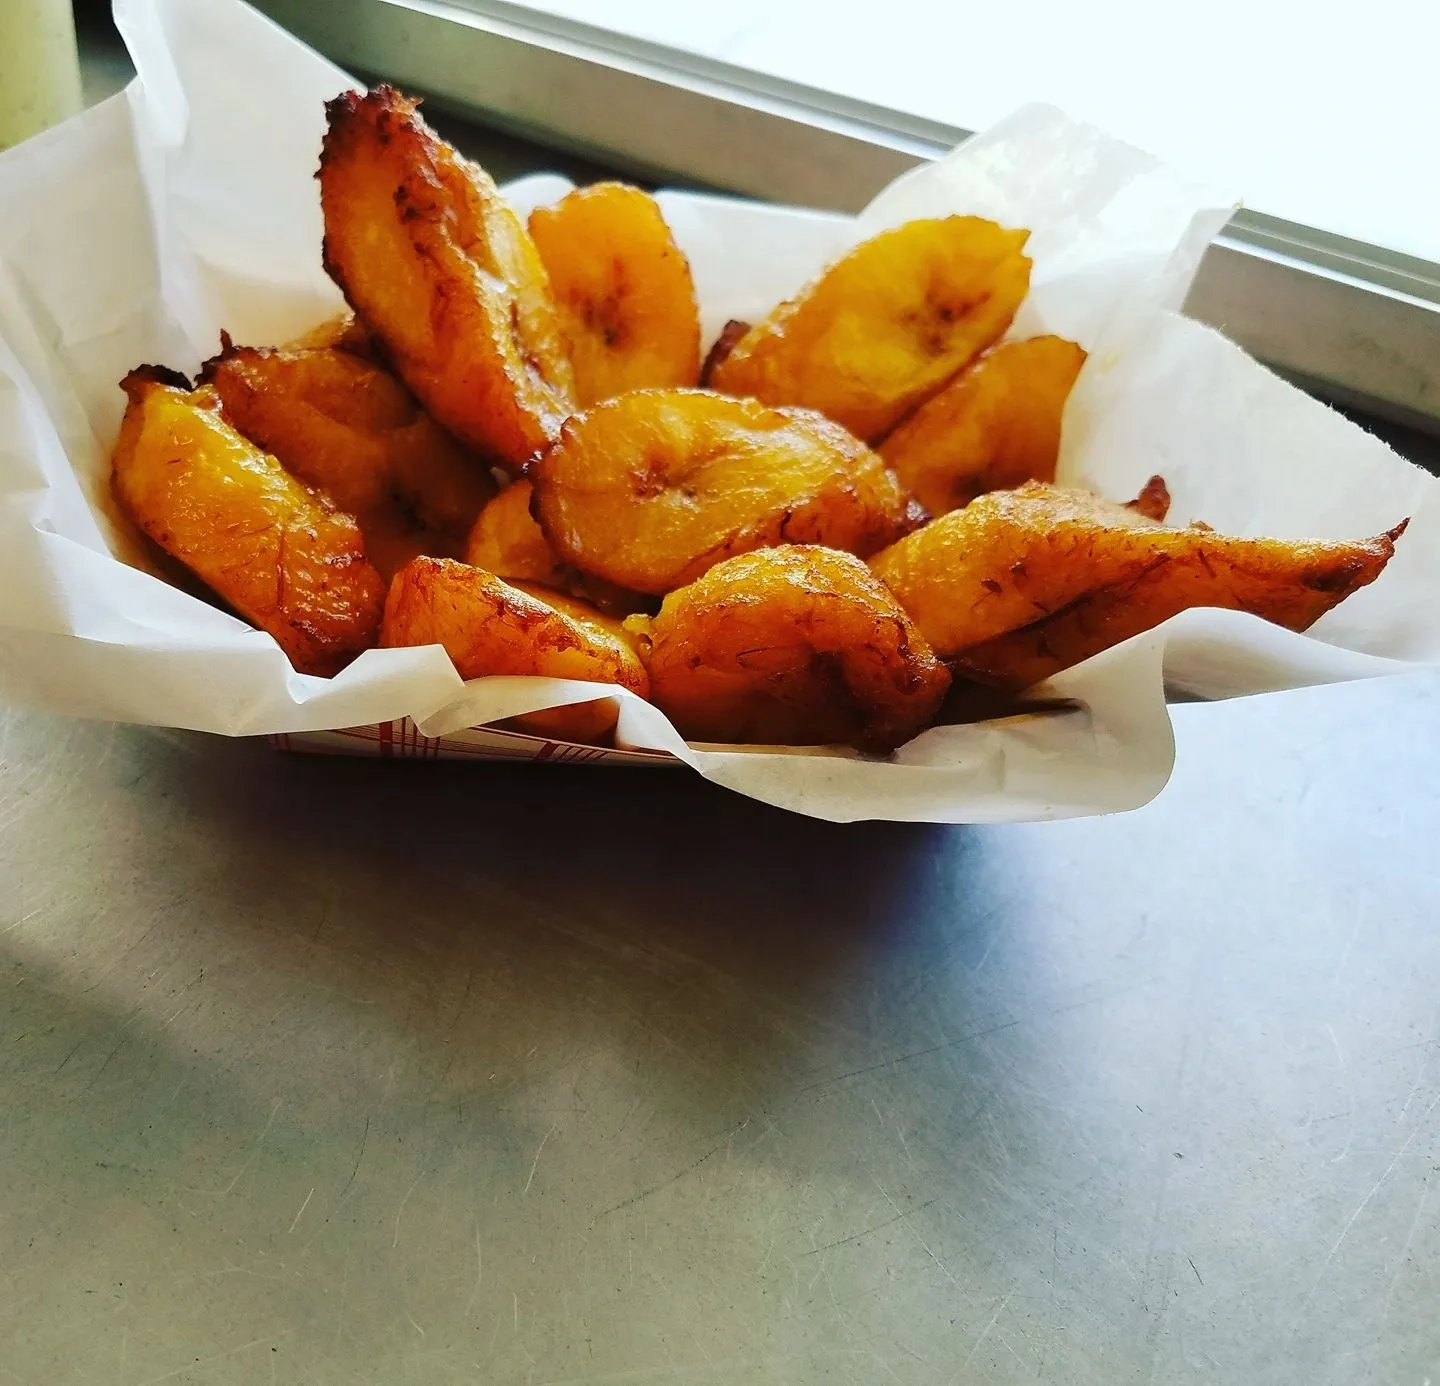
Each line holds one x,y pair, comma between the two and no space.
650,489
487,626
1010,557
994,426
886,326
282,556
505,540
1290,582
344,332
1023,583
797,645
351,428
623,289
393,537
445,274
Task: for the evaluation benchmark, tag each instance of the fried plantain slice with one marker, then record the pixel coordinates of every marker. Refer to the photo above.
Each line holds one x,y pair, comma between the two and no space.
1011,557
650,489
1069,574
797,645
344,332
282,556
487,626
1290,582
994,426
623,289
506,541
445,274
393,537
348,426
884,328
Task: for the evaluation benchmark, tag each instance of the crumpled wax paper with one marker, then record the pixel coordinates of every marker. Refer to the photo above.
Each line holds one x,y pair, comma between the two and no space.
136,231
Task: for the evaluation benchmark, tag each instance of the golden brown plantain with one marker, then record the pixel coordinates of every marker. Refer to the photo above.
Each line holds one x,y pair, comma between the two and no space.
393,537
280,555
884,328
1011,557
797,645
344,332
649,490
1290,582
505,540
995,425
623,289
445,274
1023,583
487,626
351,428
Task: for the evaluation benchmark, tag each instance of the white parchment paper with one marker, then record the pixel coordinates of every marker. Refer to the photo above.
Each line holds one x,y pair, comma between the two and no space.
187,204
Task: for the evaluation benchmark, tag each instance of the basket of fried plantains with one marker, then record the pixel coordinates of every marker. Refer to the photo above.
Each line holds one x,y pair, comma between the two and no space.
516,447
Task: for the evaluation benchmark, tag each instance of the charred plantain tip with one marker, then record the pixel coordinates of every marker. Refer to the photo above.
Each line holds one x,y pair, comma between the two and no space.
208,367
376,108
136,383
230,352
339,112
722,346
1153,501
343,107
1393,534
382,102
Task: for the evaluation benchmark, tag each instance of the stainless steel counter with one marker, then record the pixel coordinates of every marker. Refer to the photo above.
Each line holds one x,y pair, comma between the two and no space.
361,1072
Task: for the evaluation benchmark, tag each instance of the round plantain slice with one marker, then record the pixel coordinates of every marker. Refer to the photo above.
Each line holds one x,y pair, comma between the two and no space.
995,425
623,289
487,626
652,488
276,552
444,273
798,645
884,327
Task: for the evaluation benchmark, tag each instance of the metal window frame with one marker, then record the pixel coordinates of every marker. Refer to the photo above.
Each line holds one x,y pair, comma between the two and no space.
1355,322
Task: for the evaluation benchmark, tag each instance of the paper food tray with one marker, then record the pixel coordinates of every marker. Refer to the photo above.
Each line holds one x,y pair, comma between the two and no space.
402,740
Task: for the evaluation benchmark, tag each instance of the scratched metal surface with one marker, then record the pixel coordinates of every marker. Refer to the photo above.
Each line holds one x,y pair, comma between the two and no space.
316,1071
